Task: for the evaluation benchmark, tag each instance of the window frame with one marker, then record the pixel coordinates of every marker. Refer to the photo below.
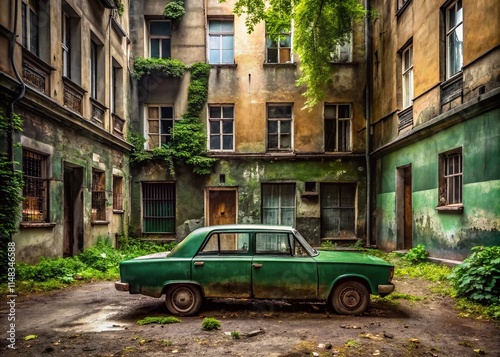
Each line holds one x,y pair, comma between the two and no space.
220,34
281,195
449,31
94,67
117,193
337,54
221,133
159,214
66,45
279,134
35,205
160,38
98,213
158,134
30,11
337,133
449,181
407,76
340,203
279,47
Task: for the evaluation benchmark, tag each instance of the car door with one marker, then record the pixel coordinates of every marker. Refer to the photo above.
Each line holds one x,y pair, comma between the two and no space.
223,265
282,268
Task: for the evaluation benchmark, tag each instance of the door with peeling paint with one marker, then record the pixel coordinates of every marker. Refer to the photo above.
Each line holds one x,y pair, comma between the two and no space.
222,206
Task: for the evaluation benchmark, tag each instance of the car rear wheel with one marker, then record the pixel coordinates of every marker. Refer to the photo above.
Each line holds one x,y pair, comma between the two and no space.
350,298
183,300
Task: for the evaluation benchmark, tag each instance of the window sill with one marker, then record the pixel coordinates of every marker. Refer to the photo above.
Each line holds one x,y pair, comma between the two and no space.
99,223
118,211
37,224
223,65
457,207
285,64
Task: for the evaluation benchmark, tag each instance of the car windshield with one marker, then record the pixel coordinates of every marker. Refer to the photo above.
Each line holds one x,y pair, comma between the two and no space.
313,252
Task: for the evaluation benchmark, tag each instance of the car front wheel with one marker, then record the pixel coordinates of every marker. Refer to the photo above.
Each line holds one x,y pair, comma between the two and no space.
183,300
350,298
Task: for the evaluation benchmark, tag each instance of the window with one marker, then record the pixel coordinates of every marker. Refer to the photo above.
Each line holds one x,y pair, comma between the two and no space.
450,188
221,42
118,193
158,207
454,39
343,51
116,99
279,50
407,62
66,45
272,243
221,123
30,25
159,39
279,127
98,196
226,243
278,204
337,127
35,190
94,49
337,201
402,3
160,123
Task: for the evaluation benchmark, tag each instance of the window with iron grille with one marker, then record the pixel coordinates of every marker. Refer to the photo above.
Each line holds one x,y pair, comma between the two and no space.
160,32
337,127
279,50
278,204
98,196
35,190
337,201
279,127
160,123
158,207
118,193
454,39
221,123
221,41
29,12
451,171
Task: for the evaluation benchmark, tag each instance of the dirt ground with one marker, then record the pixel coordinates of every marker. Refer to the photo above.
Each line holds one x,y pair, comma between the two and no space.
96,320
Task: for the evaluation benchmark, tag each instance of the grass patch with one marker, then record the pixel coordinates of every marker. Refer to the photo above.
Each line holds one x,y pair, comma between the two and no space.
210,323
401,296
158,320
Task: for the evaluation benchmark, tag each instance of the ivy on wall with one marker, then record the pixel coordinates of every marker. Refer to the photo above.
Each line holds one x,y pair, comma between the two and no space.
158,66
189,141
174,10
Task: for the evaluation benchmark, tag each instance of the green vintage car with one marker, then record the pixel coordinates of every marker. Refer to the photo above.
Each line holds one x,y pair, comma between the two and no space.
255,262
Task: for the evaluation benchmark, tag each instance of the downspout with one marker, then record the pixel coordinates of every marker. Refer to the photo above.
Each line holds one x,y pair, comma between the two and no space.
368,111
10,131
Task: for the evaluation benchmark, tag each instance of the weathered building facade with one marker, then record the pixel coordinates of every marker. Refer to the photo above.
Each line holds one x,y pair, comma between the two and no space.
64,70
276,162
436,125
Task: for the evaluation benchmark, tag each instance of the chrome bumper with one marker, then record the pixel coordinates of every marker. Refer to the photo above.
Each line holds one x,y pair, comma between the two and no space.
384,290
121,286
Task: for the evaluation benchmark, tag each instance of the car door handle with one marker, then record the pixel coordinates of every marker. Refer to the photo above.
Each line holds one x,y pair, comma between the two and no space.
257,266
199,263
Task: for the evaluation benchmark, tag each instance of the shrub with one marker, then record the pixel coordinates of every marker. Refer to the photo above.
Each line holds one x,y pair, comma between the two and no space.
158,66
210,323
174,10
417,254
62,269
478,277
158,320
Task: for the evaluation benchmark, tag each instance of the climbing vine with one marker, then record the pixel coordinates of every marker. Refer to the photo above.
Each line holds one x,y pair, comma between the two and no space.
158,66
174,10
189,141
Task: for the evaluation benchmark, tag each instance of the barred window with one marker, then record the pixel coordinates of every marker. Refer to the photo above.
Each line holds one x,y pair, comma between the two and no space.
98,196
35,190
158,207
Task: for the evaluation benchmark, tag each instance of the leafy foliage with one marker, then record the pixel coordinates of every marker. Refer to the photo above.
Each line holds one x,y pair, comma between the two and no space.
417,254
210,323
174,10
158,320
158,66
478,277
319,26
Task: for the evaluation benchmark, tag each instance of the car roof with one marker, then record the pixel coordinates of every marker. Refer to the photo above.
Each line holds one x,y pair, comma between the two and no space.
266,227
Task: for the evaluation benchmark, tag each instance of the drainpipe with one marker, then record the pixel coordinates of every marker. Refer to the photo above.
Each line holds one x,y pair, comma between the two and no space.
10,131
368,110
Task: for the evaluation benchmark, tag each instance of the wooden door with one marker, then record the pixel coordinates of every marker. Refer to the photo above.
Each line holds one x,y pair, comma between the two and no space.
222,207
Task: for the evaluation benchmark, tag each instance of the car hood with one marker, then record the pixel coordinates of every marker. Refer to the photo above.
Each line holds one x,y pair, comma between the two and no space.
349,257
153,256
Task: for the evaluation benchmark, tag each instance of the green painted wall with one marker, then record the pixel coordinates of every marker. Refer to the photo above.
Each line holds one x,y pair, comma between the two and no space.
446,234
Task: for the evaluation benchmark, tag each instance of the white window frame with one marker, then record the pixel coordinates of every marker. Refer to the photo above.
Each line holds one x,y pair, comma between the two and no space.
159,134
454,29
218,36
278,46
407,74
161,38
340,123
222,119
66,45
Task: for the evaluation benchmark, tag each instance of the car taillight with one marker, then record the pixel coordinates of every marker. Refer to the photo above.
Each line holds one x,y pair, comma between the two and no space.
391,274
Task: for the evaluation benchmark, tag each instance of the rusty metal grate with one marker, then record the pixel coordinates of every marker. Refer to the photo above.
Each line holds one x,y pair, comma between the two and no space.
158,207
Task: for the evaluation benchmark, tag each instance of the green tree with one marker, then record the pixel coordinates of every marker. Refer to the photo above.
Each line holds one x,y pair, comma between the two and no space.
319,26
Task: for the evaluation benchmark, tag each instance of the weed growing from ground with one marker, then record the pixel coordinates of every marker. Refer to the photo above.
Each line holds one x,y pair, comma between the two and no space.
161,320
210,323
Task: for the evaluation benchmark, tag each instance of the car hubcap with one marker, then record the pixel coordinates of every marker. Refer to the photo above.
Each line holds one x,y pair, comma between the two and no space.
182,299
350,298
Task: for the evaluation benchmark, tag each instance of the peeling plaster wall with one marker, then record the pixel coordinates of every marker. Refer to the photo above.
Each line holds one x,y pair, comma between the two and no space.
446,234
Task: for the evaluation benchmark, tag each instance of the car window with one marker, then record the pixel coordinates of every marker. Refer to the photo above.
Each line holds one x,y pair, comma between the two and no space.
226,243
272,243
298,249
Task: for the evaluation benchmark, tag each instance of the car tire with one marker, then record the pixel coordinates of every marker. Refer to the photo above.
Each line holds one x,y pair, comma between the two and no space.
183,300
350,298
